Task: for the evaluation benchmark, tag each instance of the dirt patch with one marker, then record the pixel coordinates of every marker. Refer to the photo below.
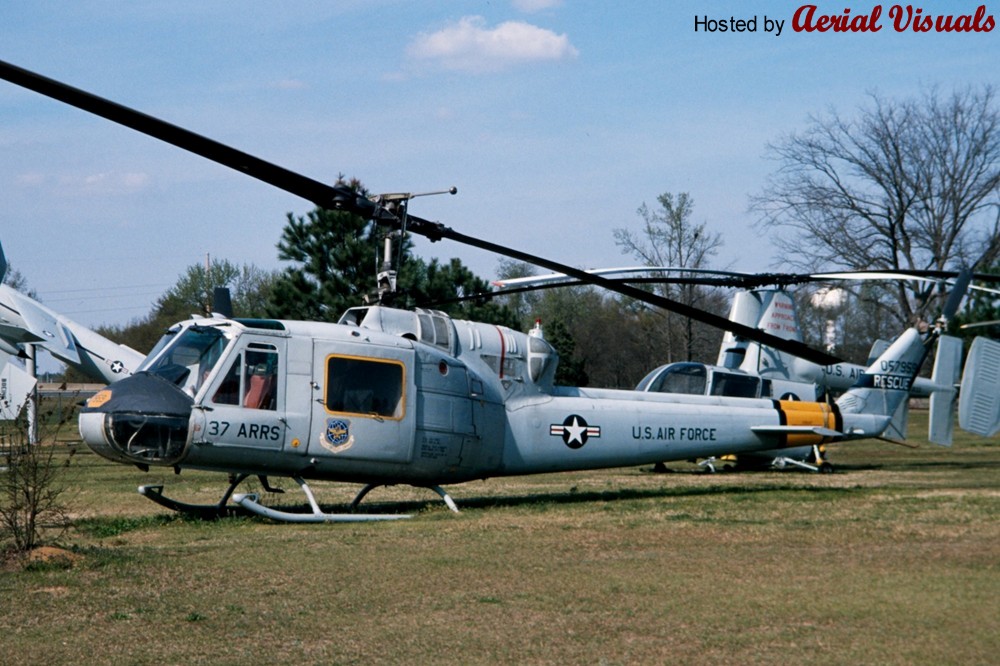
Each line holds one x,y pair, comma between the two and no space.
52,553
44,555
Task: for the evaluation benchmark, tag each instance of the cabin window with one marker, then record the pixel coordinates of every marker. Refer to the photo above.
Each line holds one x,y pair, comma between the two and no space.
364,386
435,329
252,379
687,378
735,386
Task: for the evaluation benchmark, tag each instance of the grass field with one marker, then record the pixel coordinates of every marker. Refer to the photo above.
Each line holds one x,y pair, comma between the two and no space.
891,560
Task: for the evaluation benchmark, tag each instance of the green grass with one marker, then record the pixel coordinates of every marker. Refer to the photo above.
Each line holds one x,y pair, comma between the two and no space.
892,560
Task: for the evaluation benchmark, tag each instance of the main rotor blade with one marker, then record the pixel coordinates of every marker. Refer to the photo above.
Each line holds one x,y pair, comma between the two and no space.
741,279
509,291
343,198
635,274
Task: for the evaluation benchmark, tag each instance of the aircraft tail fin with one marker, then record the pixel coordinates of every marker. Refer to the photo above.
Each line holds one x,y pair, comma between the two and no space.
15,387
886,383
947,364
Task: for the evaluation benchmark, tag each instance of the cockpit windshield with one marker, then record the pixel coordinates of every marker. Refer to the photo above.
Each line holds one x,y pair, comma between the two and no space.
188,357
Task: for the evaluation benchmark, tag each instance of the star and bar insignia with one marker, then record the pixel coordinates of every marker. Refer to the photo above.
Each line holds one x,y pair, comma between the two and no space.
574,431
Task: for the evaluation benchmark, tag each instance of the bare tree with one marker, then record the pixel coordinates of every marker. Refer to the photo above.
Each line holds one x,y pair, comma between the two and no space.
911,184
31,497
668,237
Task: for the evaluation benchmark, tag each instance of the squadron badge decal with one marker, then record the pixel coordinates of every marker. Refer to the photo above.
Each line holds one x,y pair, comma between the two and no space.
574,431
337,437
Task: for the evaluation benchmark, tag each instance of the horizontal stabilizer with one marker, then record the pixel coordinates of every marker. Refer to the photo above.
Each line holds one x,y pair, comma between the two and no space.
979,404
796,430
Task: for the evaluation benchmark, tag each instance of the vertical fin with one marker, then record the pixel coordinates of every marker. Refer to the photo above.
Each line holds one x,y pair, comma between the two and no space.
887,382
947,364
15,387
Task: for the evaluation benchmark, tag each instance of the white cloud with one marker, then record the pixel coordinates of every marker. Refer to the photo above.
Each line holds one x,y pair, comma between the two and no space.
32,179
104,183
470,46
532,6
135,180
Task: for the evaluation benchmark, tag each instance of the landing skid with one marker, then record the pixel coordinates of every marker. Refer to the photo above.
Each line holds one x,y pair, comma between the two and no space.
783,463
710,465
249,502
438,489
821,465
204,511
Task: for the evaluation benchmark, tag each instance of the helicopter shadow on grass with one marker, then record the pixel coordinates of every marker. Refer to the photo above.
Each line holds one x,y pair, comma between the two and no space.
924,465
572,496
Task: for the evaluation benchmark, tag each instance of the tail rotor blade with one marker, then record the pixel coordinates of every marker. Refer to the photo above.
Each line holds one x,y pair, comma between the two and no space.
958,290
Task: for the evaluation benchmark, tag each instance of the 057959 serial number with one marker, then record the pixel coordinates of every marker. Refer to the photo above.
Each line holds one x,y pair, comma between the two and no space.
258,431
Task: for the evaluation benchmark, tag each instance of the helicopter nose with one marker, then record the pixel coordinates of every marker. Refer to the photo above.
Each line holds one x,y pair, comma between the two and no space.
142,419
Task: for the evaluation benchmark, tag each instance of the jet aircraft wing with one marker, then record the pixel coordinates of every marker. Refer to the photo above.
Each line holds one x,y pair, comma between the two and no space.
42,325
17,335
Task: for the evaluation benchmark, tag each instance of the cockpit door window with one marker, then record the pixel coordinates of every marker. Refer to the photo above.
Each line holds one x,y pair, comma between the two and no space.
251,380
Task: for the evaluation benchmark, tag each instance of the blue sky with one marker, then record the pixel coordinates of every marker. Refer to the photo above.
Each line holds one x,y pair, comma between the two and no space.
555,120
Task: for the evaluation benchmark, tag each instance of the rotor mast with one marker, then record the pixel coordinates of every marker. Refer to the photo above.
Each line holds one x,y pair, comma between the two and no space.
396,204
